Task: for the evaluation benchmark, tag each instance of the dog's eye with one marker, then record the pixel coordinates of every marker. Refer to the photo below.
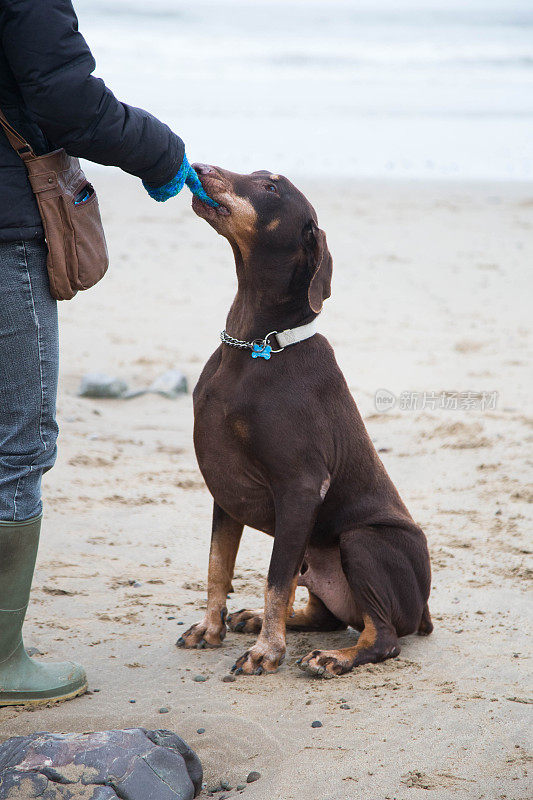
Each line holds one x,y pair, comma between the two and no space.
271,188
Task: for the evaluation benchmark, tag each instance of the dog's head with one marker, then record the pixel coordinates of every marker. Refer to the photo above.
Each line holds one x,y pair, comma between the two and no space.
273,227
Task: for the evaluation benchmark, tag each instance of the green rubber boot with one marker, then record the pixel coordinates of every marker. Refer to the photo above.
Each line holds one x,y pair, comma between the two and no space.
24,681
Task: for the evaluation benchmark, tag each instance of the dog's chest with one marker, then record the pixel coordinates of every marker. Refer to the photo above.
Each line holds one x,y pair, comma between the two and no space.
222,441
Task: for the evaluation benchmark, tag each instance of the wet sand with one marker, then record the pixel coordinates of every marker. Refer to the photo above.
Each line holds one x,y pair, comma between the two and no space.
429,296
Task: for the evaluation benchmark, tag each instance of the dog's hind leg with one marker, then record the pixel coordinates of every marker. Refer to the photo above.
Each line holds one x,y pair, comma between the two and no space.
313,617
374,644
225,539
381,566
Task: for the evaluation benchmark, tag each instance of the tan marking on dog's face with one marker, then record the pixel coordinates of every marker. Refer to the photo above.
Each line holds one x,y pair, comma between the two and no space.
242,222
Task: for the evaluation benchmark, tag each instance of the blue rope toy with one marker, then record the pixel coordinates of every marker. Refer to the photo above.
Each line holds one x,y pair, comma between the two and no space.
185,175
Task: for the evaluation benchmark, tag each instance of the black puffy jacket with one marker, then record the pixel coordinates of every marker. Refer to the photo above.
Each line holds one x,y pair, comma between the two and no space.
47,92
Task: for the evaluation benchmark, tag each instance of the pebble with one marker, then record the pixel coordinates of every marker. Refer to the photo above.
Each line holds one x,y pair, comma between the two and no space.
96,690
229,679
200,678
33,651
171,618
253,776
226,785
170,384
181,623
97,384
132,701
200,730
316,724
240,787
345,706
308,702
163,710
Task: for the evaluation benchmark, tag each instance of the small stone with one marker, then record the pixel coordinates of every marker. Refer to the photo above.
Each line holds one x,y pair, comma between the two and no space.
226,785
163,710
33,651
229,679
170,384
171,618
253,776
200,678
97,384
181,623
316,724
240,787
200,730
308,702
132,701
345,706
96,690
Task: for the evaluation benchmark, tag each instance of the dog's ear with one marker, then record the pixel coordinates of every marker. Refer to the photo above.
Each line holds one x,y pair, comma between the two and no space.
320,265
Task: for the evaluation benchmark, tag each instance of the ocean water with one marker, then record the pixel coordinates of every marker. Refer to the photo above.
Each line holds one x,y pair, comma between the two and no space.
384,88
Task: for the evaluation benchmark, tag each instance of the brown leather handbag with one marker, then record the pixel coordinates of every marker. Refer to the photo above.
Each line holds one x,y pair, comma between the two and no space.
77,250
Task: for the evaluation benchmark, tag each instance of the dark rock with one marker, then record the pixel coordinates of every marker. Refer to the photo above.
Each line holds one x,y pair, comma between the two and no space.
229,679
200,678
33,651
181,623
345,706
133,764
163,710
200,730
226,785
240,787
316,724
133,701
253,776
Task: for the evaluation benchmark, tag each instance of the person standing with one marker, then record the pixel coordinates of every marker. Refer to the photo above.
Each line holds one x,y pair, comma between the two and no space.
49,95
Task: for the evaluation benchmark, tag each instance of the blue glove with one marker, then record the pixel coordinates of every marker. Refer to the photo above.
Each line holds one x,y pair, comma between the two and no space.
185,175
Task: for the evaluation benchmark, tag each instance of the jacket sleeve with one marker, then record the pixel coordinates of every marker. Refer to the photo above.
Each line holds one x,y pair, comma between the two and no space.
53,67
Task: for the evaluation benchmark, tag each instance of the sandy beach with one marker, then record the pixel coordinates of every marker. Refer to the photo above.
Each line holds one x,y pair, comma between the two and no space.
430,304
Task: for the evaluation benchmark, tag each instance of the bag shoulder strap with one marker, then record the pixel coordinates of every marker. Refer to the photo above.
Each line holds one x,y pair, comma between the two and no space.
17,142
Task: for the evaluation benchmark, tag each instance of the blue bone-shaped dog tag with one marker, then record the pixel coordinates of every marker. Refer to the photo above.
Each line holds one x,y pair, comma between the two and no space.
258,351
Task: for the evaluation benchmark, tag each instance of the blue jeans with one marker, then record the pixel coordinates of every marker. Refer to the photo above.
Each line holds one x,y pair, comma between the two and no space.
29,366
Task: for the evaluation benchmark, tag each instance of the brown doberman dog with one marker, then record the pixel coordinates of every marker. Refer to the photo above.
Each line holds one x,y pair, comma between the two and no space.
283,449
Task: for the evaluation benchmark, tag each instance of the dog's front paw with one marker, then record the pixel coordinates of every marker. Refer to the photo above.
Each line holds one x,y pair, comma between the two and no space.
244,621
325,663
203,634
263,657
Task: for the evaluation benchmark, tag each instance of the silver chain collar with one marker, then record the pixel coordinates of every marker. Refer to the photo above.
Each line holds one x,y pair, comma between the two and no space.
257,345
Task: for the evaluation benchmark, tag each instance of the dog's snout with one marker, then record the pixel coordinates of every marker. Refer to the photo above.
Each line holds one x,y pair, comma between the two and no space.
203,169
